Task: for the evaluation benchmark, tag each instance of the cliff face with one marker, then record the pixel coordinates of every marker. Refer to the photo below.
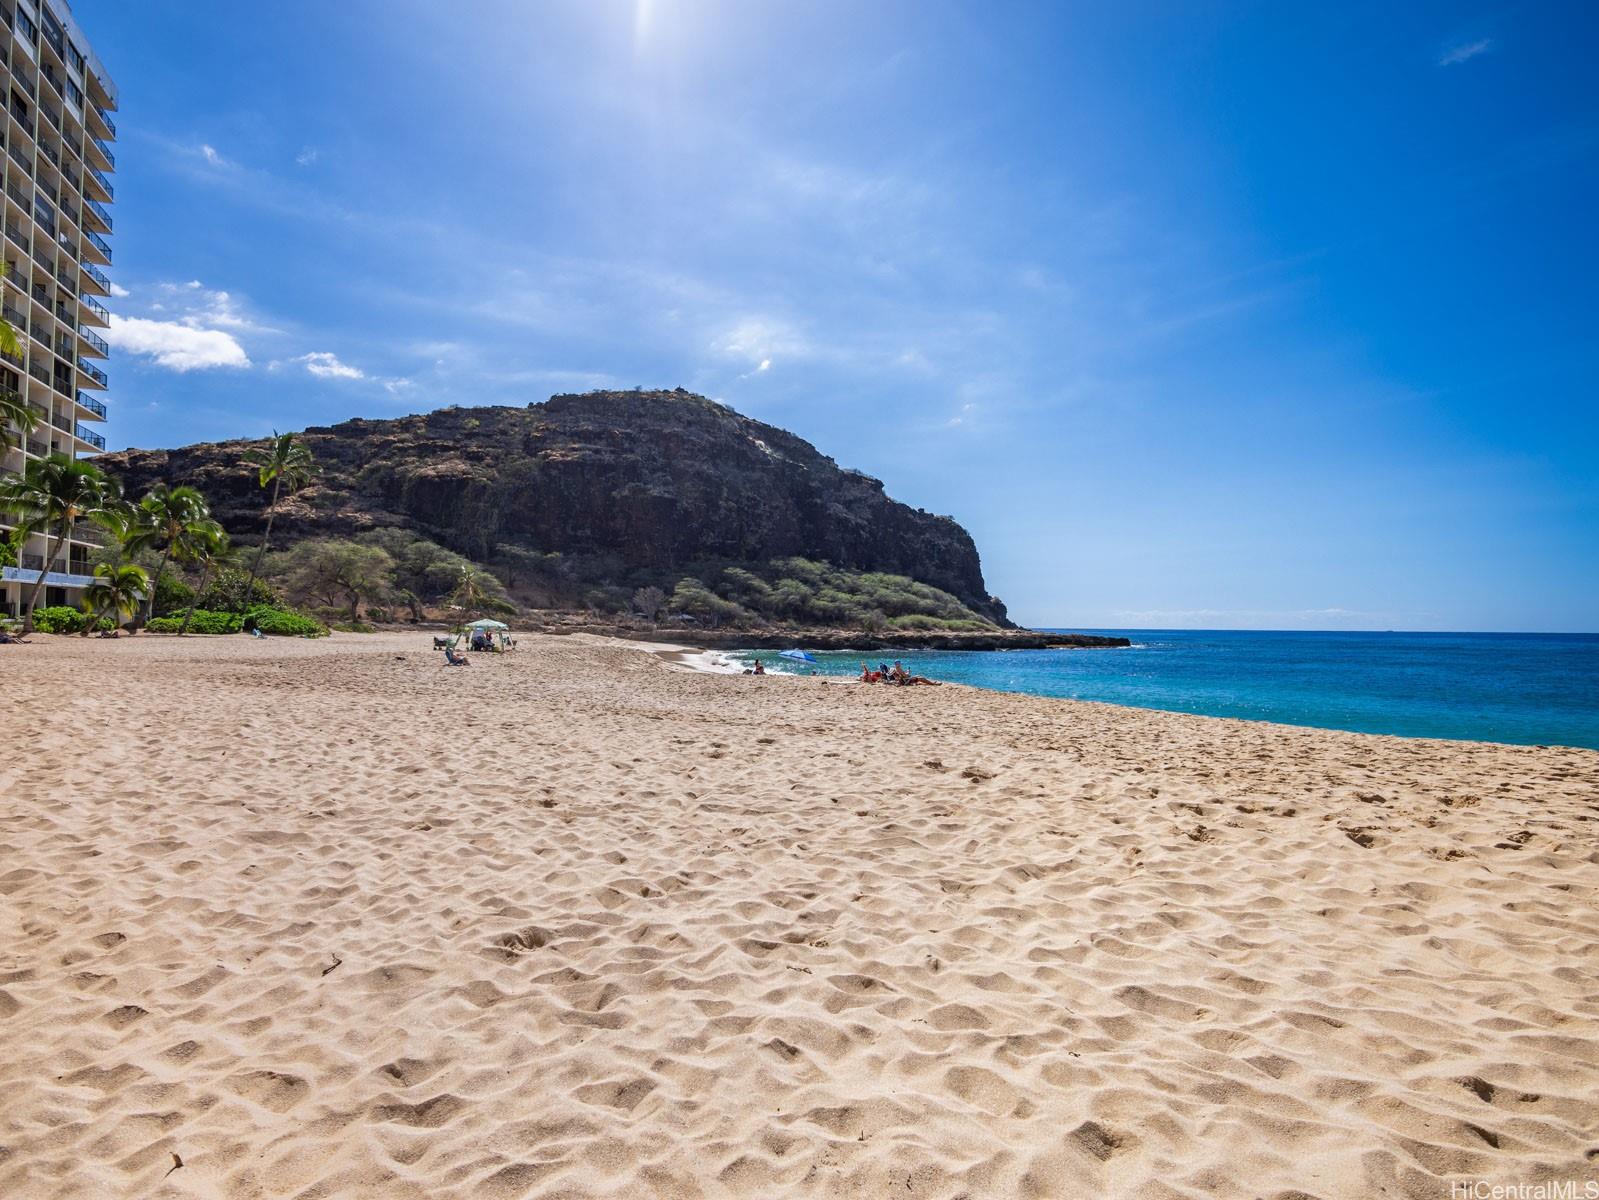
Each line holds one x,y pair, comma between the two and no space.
660,479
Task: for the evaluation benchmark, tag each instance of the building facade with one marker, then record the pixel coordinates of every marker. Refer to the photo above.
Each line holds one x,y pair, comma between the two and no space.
57,162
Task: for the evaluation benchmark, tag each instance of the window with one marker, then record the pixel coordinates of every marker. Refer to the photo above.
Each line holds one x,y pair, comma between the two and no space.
26,29
74,58
74,95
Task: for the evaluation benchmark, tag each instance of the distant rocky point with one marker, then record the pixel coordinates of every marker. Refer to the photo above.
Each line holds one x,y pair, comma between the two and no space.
582,501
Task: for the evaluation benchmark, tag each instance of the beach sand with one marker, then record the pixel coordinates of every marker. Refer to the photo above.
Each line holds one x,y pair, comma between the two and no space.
325,919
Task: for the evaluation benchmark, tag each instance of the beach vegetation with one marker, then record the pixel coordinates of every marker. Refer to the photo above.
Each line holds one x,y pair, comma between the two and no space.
232,590
115,593
170,522
281,622
198,620
334,574
650,603
285,461
52,495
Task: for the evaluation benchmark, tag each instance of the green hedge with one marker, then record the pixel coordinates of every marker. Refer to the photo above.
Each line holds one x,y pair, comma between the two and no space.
59,619
282,623
204,621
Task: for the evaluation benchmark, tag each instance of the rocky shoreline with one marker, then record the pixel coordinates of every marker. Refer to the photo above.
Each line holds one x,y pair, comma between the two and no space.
850,639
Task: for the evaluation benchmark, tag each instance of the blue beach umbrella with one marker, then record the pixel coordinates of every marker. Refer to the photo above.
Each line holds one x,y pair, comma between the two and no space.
796,655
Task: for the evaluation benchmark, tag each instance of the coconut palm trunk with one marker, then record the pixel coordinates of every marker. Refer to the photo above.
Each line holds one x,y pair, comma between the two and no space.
155,586
260,553
52,560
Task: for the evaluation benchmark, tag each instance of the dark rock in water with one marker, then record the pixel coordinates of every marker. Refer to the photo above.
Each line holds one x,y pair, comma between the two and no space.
659,479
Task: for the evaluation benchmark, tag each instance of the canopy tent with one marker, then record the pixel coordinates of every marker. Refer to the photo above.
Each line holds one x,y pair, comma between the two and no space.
796,655
487,623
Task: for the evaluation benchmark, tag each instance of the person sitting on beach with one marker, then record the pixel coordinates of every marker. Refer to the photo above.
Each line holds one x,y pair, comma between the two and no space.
760,668
452,659
868,675
905,679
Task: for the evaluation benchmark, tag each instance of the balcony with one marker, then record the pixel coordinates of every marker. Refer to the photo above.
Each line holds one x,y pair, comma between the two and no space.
98,210
62,422
14,318
106,117
84,433
31,562
93,405
105,152
87,533
93,372
18,157
21,119
98,343
37,449
64,349
97,275
99,177
96,311
39,372
22,198
99,243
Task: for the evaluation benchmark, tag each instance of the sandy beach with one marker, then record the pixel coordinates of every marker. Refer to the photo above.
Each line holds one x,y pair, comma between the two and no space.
325,919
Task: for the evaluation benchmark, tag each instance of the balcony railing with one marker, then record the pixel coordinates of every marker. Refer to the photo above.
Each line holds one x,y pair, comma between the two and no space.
98,309
21,119
21,197
99,343
37,449
13,318
88,533
38,371
92,371
96,274
98,210
100,243
63,347
90,436
31,562
61,421
106,117
52,116
18,157
50,152
99,177
105,150
93,405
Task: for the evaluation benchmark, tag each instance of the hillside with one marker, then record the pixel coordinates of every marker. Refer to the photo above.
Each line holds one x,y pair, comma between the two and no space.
637,487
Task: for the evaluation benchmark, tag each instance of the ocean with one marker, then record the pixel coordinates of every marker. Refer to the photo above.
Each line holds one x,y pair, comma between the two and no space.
1528,688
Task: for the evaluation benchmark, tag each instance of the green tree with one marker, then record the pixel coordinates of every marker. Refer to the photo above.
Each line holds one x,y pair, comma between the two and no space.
166,520
330,572
284,461
204,545
477,593
115,592
56,492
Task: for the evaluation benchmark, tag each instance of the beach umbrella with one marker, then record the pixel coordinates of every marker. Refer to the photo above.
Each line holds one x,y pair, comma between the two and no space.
486,623
796,655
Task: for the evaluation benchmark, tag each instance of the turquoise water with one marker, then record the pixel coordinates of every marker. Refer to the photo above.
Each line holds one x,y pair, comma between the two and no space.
1536,689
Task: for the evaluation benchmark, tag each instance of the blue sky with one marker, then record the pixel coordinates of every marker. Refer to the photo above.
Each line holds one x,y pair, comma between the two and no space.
1196,315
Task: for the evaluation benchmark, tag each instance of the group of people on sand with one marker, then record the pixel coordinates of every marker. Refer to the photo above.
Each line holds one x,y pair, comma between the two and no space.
897,674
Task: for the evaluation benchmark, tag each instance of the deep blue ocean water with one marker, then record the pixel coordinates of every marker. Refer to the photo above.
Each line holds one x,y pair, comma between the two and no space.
1500,687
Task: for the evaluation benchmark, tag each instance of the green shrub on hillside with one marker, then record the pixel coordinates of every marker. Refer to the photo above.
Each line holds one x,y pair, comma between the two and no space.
232,592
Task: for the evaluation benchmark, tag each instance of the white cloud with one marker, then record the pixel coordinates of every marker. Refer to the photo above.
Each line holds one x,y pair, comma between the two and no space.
211,156
118,290
326,365
1465,52
175,345
760,341
307,156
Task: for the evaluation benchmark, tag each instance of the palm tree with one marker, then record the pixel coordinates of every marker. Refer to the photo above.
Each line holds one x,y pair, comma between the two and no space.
165,518
116,592
285,460
205,544
55,491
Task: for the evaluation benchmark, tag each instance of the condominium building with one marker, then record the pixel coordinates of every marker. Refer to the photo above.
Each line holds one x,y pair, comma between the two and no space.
57,166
